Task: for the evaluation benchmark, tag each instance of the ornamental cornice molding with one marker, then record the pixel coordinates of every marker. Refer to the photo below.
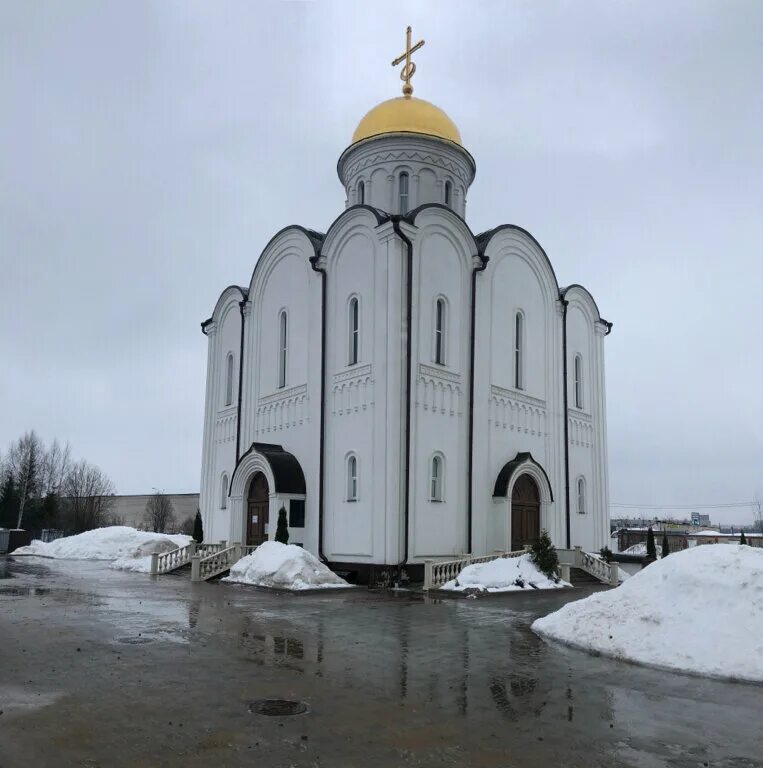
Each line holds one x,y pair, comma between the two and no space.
580,416
426,158
514,394
284,394
356,372
430,372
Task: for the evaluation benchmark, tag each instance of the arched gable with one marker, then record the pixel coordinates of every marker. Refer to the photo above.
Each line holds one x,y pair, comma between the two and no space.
438,217
509,239
356,218
293,239
230,297
579,296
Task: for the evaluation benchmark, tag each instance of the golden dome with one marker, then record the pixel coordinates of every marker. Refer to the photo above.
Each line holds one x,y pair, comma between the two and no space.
407,114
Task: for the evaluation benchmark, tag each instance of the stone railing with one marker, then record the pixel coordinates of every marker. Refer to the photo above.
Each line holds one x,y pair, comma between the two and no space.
438,572
207,567
601,569
607,573
165,562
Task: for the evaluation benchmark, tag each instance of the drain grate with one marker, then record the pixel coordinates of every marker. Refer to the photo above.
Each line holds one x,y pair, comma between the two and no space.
277,707
134,640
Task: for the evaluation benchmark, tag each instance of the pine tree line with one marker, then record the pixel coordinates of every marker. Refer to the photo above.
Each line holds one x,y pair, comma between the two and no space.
41,486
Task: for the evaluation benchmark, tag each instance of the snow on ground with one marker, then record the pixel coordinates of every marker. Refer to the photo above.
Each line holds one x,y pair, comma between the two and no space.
129,548
505,574
698,611
285,566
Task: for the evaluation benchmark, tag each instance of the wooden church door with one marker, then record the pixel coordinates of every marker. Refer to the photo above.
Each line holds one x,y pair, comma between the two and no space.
258,502
525,512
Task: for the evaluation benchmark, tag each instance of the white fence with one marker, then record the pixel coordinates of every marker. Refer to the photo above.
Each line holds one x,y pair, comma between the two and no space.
215,563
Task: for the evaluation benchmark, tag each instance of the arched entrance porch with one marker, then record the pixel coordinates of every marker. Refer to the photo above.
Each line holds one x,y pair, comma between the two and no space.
527,506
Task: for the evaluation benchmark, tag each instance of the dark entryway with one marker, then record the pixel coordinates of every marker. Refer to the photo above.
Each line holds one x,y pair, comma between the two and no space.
525,512
257,510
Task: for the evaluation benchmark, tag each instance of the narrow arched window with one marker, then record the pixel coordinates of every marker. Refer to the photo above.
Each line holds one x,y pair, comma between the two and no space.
403,193
435,481
283,340
439,331
229,379
581,496
361,192
224,492
519,351
353,326
578,381
352,478
448,193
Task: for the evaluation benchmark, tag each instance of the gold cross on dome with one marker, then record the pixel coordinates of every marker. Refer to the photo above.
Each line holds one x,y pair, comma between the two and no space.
409,68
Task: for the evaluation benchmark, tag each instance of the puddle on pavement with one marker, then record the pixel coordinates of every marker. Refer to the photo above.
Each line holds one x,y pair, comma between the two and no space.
15,701
23,591
140,640
5,572
277,707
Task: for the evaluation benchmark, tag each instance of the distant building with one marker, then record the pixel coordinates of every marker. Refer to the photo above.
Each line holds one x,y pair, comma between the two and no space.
698,519
131,510
716,537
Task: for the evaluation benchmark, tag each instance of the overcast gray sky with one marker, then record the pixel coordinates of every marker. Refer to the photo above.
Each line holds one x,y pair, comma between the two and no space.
149,150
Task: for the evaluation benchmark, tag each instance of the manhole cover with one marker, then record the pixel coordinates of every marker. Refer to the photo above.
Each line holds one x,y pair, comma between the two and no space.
277,707
134,640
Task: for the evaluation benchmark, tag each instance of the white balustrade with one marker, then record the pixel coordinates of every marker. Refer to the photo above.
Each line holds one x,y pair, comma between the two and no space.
439,572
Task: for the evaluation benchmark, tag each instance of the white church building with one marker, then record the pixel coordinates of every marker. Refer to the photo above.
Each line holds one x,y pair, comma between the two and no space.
404,388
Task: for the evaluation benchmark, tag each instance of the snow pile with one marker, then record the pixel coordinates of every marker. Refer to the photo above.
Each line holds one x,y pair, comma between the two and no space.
506,574
129,548
285,566
699,611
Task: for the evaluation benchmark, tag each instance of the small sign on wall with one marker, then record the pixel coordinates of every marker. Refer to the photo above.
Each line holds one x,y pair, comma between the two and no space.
254,518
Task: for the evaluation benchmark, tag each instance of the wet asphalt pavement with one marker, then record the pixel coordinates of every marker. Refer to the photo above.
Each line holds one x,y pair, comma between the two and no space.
102,669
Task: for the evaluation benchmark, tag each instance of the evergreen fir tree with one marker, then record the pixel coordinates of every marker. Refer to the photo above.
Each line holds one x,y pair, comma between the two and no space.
665,544
742,538
9,503
282,529
198,529
544,555
651,547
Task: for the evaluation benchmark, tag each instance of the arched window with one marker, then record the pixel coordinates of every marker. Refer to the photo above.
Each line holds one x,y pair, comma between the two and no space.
578,381
448,193
519,350
352,477
353,327
436,477
403,193
229,379
224,492
361,192
283,341
440,318
581,496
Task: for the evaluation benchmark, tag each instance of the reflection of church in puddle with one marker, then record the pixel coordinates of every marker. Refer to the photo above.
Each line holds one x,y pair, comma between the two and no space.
404,388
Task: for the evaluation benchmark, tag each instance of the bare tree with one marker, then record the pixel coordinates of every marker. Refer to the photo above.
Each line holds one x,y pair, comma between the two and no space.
55,466
24,461
159,513
89,496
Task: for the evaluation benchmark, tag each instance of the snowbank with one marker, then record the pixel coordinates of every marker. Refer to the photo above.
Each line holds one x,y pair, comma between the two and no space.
129,548
698,611
503,575
285,566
